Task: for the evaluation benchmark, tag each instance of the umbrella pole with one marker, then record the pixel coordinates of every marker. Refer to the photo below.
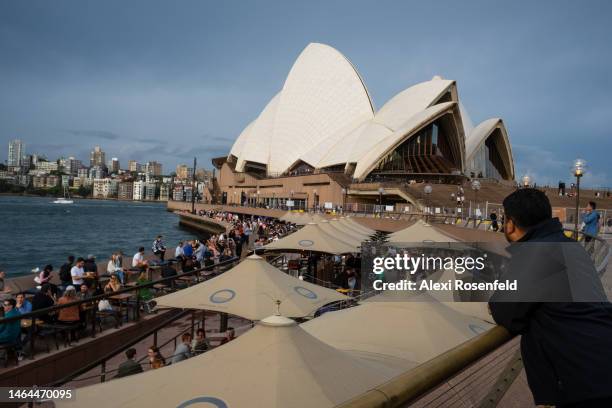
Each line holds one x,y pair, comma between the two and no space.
222,322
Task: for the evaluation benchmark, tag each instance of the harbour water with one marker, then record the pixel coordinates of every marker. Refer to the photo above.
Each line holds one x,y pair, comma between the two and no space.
35,232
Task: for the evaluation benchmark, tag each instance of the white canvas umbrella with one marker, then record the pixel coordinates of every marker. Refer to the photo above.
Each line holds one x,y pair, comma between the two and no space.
420,232
311,238
274,365
389,331
342,227
340,235
253,289
354,225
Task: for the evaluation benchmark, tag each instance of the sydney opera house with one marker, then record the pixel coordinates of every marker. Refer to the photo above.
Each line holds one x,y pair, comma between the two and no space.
321,140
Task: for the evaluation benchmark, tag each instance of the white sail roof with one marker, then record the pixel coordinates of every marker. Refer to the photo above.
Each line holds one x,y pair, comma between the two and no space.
323,116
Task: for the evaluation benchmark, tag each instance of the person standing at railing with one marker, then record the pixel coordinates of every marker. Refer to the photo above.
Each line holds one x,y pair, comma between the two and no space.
565,341
590,218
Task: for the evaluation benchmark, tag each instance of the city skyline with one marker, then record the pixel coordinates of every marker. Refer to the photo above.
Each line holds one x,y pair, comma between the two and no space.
183,90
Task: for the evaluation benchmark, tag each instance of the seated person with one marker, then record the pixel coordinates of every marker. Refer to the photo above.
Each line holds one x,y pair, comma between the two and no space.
183,349
43,300
23,305
114,266
69,314
10,332
129,366
199,345
229,336
156,360
139,261
113,284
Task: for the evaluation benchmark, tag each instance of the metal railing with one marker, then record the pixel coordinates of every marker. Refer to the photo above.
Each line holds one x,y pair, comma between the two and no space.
171,280
411,385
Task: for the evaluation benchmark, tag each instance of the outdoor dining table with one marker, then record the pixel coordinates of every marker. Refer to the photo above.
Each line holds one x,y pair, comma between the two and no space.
123,300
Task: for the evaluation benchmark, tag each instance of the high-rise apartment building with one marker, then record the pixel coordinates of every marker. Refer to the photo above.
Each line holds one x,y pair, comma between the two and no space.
153,168
114,165
133,166
97,157
16,152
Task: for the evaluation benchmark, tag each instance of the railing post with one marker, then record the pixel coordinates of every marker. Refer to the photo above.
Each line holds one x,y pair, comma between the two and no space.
32,336
155,338
103,376
192,324
93,321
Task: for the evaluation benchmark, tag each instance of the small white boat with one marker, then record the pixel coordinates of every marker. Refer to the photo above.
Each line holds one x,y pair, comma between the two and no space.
65,199
62,200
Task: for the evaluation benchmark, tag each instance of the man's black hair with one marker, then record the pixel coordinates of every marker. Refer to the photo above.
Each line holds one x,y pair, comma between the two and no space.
593,204
71,258
79,259
527,207
141,249
48,268
11,301
130,353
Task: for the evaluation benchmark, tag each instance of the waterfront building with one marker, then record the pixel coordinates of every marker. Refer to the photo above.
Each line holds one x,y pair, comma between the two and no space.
125,190
184,172
52,181
164,192
178,193
150,191
102,188
139,193
77,182
38,181
97,157
320,141
114,165
46,166
153,168
16,151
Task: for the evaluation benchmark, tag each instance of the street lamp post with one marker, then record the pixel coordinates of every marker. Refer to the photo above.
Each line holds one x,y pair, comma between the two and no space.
427,190
578,171
314,199
343,200
380,195
257,200
476,188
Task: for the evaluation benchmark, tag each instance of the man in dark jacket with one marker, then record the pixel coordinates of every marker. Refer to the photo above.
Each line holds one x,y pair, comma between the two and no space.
565,344
129,366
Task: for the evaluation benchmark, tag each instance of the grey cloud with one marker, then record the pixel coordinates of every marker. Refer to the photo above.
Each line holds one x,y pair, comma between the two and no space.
102,134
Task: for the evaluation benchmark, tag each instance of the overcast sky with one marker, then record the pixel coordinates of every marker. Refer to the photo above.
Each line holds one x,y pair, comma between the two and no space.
165,81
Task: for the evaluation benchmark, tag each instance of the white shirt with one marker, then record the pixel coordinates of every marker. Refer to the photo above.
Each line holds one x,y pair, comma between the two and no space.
77,275
178,251
138,259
